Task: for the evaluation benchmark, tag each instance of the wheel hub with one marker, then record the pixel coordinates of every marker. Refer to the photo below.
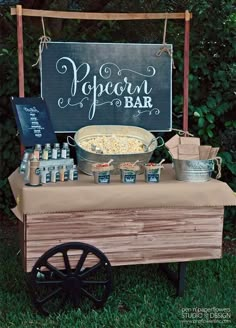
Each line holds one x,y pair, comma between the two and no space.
72,283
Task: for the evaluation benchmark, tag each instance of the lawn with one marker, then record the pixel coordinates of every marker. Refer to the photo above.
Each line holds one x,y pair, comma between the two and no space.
142,296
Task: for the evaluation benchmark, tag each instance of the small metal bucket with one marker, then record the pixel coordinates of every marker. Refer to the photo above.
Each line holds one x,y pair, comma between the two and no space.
193,170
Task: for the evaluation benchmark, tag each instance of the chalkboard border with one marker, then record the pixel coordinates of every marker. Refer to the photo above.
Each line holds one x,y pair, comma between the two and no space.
168,45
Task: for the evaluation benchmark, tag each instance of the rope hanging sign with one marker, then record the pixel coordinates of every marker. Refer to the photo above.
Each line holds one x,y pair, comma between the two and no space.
165,48
44,39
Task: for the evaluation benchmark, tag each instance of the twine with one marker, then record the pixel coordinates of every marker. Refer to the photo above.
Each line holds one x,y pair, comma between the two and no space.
165,48
218,163
44,39
183,133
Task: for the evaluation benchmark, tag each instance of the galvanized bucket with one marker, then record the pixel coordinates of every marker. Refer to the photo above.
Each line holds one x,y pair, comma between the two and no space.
85,158
196,170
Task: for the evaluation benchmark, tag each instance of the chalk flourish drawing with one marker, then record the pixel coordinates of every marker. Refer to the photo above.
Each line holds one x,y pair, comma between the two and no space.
105,71
117,102
155,111
80,103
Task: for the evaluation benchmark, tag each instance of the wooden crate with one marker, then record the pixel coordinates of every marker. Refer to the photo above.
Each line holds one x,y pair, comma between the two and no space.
131,236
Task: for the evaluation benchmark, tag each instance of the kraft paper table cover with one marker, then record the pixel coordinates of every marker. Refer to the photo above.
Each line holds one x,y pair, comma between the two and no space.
85,195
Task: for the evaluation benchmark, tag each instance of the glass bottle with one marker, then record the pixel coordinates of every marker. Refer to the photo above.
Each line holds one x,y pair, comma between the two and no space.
73,175
65,151
56,151
38,151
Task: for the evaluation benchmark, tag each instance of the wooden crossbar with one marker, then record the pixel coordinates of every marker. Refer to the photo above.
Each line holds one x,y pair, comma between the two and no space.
101,16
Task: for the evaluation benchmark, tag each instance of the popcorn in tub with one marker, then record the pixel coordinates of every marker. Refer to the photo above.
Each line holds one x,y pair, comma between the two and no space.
112,145
101,172
128,172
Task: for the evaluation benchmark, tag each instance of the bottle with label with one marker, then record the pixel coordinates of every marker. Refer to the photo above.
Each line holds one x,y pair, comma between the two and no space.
48,148
62,173
48,175
24,162
66,173
34,176
53,174
38,151
57,174
73,175
45,154
43,175
56,151
65,151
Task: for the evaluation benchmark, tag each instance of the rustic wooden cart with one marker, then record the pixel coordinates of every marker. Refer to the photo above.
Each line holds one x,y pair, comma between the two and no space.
71,234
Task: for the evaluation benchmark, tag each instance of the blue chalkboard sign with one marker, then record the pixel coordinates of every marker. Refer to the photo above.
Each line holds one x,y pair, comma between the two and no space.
33,121
107,83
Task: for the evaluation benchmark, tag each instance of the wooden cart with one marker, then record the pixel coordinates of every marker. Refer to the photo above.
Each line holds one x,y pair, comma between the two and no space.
69,249
72,234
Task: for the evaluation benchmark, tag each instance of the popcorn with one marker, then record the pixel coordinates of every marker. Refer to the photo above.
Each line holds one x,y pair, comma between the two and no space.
113,144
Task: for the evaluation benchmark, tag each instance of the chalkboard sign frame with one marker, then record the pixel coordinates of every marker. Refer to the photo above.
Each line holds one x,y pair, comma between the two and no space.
33,121
152,113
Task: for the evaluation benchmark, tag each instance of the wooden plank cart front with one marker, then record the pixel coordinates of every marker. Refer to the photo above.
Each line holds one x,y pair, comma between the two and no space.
68,228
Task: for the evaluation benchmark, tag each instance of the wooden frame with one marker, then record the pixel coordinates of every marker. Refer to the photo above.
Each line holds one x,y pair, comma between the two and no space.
19,12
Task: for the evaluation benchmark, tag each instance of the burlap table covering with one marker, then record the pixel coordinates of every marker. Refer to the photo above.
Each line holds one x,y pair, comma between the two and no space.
84,195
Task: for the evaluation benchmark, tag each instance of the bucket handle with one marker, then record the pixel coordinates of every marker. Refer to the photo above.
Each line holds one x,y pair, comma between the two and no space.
151,142
73,144
218,163
160,138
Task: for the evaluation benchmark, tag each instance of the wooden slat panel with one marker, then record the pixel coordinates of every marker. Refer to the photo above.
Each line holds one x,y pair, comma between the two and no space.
98,16
131,236
155,256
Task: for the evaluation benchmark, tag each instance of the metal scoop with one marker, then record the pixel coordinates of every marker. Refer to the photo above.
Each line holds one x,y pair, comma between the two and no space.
96,149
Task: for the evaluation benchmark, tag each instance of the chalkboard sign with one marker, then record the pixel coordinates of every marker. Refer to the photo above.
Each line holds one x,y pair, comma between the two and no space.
33,121
107,83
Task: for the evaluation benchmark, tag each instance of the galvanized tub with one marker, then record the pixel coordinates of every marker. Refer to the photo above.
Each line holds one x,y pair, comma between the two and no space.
193,170
85,158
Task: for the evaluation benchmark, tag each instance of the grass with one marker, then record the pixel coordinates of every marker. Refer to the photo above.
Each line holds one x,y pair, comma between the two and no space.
142,296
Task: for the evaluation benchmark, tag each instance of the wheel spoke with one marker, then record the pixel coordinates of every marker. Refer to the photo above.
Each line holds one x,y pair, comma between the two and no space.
81,261
66,261
94,282
90,296
48,282
63,301
91,270
50,296
76,299
55,270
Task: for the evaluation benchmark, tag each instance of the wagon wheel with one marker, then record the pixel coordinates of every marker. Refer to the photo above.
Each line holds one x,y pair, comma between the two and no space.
71,273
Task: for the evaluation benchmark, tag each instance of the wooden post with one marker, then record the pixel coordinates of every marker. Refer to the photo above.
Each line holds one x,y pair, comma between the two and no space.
20,46
186,69
20,51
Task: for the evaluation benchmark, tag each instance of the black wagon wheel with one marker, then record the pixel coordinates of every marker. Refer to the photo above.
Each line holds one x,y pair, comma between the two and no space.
73,273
